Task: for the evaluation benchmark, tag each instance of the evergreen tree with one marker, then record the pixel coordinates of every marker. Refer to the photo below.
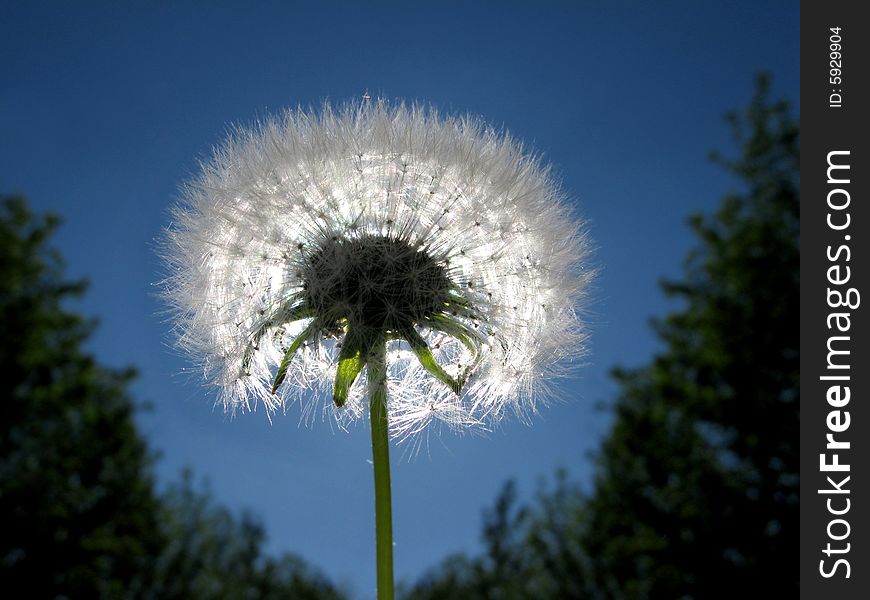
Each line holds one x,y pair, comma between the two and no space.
697,491
78,515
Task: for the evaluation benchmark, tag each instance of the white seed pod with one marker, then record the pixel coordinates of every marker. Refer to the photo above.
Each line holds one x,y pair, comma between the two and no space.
314,231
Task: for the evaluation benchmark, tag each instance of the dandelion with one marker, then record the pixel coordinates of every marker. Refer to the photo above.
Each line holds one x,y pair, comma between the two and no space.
419,268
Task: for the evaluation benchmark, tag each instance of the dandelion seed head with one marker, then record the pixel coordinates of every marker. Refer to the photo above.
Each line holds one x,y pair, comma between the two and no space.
380,220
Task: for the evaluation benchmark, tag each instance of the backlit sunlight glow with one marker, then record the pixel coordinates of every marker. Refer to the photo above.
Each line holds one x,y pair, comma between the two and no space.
276,218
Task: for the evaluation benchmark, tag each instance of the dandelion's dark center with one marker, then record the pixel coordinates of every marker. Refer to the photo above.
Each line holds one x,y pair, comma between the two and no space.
375,282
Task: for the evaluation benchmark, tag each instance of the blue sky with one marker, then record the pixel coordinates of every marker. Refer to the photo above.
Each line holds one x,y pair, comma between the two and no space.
105,109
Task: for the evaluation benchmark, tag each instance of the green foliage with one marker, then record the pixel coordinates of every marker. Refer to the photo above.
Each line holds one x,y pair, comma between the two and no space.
531,551
696,493
79,517
497,574
211,554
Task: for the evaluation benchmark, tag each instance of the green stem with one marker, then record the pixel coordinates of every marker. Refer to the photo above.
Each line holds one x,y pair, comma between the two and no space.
377,381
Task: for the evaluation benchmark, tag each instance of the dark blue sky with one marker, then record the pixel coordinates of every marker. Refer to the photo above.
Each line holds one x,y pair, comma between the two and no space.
105,110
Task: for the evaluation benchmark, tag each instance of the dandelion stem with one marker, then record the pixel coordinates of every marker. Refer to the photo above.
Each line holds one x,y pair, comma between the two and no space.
377,382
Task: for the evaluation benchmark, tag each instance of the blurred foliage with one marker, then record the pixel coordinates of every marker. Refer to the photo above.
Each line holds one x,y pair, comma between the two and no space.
211,554
696,491
79,517
530,551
